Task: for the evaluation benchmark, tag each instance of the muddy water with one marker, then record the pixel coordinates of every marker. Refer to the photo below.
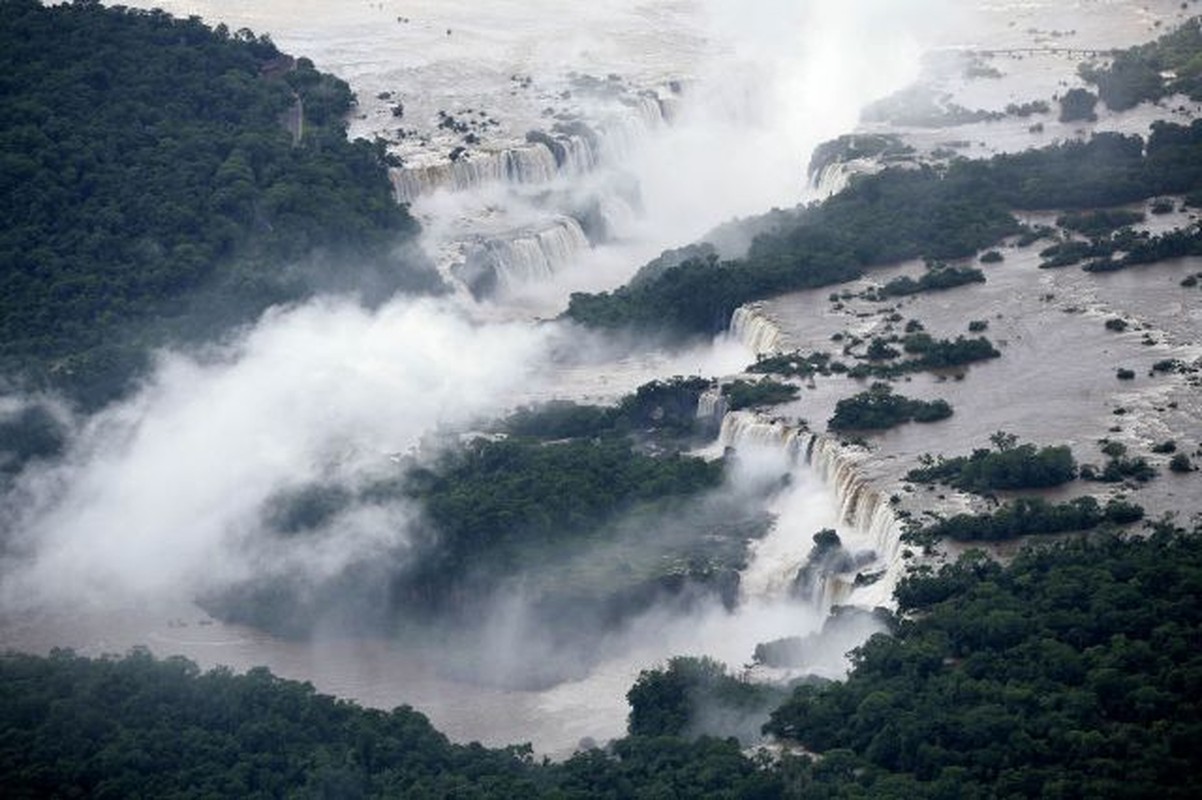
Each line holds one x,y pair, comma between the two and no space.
1056,379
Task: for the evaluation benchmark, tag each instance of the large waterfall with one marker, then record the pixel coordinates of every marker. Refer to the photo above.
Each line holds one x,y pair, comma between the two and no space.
568,149
505,262
533,163
751,326
866,524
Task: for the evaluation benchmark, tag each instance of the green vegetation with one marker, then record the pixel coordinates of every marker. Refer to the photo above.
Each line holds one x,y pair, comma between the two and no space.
1029,516
29,434
666,407
1069,673
1162,205
137,727
1009,466
1099,222
1069,252
901,214
880,408
1140,248
751,394
1077,105
931,354
879,350
158,183
1134,76
1181,463
493,495
794,365
1119,467
695,696
560,502
1029,108
880,219
937,278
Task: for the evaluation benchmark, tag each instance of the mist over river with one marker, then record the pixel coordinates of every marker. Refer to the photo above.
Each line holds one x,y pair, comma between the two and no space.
697,112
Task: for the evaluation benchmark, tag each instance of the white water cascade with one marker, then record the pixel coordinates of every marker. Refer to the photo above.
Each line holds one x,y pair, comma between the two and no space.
711,408
570,149
506,262
529,164
751,326
834,177
820,470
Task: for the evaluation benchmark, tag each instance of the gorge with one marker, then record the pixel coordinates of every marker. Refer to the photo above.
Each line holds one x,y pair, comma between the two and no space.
548,156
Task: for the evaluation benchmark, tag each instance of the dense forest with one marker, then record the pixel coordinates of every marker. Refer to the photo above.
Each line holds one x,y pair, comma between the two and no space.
879,408
1072,672
1137,74
1007,466
161,180
938,213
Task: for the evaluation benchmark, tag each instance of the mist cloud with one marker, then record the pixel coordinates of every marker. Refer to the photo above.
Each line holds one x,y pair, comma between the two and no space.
161,494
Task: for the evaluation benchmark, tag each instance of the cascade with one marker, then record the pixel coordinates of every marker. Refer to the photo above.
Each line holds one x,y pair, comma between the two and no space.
711,408
751,326
507,262
870,530
531,163
834,177
571,148
620,134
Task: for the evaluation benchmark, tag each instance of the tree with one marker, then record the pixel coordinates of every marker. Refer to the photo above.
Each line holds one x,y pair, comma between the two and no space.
1078,105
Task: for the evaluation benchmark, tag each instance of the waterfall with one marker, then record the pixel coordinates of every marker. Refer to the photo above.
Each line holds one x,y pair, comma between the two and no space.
526,257
528,164
870,531
570,148
621,133
834,177
711,408
869,514
750,325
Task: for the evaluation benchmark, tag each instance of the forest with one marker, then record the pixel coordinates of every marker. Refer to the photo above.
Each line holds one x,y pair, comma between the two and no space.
1071,672
879,408
156,186
1135,75
1007,466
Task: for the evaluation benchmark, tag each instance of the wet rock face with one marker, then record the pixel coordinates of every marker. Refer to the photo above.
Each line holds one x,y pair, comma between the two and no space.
828,559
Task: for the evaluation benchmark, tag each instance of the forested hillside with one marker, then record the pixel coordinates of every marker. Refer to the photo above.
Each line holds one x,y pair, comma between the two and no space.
1074,672
902,213
163,180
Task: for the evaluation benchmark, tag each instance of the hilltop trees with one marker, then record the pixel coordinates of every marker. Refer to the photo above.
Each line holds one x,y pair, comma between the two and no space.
151,189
